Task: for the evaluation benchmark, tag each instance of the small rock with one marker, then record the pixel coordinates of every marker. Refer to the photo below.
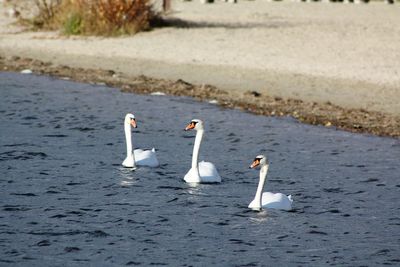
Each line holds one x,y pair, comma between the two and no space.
27,71
214,101
253,93
180,81
328,124
13,13
158,93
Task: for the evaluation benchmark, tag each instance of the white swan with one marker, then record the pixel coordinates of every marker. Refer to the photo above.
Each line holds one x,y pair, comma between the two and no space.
267,199
203,172
139,156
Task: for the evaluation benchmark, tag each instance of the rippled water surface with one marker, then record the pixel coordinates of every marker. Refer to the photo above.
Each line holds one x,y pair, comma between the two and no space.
65,199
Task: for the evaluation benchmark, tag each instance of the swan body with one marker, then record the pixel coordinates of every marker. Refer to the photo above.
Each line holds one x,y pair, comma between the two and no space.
206,173
273,201
139,157
203,172
146,157
268,200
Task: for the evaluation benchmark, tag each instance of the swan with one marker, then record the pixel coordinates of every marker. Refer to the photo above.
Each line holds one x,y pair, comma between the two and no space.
139,157
203,172
267,199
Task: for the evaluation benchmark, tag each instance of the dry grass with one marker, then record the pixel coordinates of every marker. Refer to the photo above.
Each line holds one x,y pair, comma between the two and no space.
95,17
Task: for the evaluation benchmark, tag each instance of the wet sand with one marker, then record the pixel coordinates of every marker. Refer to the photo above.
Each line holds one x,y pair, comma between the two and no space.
334,65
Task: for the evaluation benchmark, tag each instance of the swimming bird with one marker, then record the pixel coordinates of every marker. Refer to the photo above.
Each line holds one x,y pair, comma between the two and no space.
203,172
267,199
139,157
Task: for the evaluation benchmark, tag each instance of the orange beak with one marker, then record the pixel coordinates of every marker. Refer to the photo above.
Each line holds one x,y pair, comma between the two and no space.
133,123
255,163
190,126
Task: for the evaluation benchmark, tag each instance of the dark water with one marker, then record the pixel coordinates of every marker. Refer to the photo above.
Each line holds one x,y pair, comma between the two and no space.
65,200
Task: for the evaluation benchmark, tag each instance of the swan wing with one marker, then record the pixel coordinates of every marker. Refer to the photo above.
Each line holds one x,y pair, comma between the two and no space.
146,157
276,201
208,173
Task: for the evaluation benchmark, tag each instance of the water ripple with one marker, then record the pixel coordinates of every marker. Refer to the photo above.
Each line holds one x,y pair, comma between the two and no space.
66,197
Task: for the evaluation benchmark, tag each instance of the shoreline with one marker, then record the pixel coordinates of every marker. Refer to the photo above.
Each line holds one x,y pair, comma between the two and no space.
284,84
315,113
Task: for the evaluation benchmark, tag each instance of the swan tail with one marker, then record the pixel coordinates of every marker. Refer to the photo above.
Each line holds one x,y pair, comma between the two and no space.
290,198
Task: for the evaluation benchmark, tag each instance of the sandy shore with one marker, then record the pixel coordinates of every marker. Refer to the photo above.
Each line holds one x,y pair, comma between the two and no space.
347,55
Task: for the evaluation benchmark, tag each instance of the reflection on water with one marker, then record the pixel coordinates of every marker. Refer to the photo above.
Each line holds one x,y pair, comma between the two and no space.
127,176
196,189
66,199
260,217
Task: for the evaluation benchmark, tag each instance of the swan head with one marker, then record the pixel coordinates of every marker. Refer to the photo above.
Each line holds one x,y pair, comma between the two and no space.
260,160
130,119
195,125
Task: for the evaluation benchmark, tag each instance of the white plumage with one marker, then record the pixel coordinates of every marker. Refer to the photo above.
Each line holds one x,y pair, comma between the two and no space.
268,200
203,172
139,157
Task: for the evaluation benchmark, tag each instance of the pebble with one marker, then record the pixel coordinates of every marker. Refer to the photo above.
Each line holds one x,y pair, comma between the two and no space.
157,93
26,71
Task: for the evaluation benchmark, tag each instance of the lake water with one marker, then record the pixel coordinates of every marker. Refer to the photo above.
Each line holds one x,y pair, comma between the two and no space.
66,200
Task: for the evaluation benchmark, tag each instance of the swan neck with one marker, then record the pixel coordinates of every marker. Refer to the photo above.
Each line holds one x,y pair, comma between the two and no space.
261,183
128,137
196,148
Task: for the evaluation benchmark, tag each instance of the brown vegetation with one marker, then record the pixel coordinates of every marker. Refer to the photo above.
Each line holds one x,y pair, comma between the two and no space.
95,17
